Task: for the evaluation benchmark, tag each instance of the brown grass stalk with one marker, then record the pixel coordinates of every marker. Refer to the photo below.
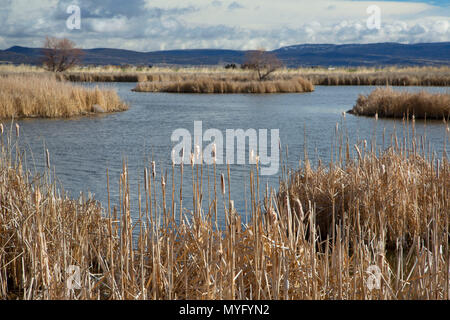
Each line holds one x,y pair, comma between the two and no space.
208,85
386,102
25,96
391,213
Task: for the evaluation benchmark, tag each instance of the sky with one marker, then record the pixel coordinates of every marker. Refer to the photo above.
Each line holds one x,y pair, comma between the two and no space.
151,25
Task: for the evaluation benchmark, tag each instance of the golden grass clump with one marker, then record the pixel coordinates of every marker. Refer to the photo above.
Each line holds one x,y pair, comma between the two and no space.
23,96
314,238
395,76
211,85
386,102
393,195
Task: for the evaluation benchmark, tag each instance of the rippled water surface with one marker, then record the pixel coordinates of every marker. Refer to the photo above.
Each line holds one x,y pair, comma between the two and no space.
81,149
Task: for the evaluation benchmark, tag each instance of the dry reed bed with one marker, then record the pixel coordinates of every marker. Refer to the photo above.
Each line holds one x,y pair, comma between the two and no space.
168,76
401,196
386,102
419,78
23,96
396,76
394,195
208,85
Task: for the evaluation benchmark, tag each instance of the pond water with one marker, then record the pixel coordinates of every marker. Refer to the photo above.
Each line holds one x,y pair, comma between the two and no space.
81,149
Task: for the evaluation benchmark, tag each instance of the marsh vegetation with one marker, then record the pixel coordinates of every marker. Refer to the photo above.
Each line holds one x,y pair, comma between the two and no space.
390,103
314,237
32,96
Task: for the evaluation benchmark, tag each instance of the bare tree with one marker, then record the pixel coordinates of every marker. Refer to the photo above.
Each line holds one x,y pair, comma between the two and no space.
261,61
60,54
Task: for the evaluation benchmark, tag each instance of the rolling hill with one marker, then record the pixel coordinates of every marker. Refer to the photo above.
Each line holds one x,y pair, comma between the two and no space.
376,54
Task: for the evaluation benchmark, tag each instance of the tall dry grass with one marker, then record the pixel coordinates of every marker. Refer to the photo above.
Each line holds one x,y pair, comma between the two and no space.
23,96
386,102
425,76
385,211
395,76
211,85
412,76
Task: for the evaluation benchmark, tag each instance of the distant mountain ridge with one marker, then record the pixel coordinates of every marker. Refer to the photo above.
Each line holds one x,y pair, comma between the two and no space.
374,54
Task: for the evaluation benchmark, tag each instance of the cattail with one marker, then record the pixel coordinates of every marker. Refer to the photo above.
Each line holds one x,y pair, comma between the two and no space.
343,114
153,169
17,130
173,157
192,159
252,155
37,197
146,179
232,205
1,128
182,155
47,157
163,182
300,209
376,116
272,215
257,159
437,168
359,152
222,182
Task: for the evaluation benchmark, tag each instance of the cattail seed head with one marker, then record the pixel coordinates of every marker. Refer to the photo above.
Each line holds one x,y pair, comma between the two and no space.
192,159
272,215
37,197
163,182
17,130
153,169
300,209
47,157
376,116
146,178
222,182
1,128
182,154
231,205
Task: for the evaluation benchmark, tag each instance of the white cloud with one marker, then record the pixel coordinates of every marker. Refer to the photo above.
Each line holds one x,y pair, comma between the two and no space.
160,24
